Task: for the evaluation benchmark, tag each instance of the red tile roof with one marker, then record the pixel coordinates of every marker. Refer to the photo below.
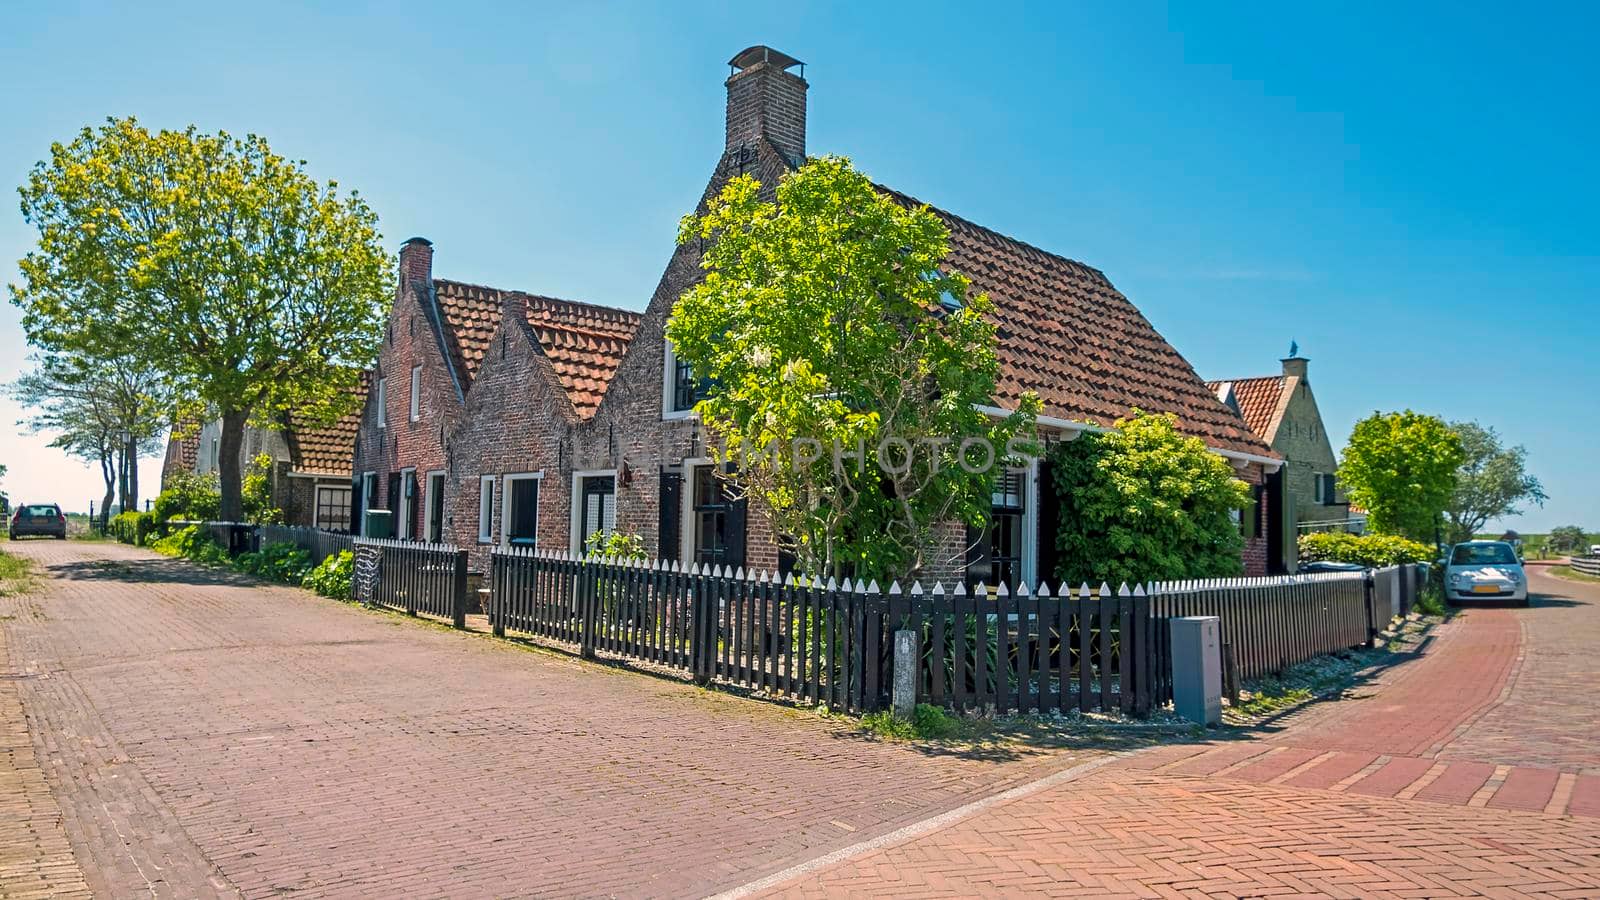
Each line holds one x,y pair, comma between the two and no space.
1258,400
330,449
583,341
1067,334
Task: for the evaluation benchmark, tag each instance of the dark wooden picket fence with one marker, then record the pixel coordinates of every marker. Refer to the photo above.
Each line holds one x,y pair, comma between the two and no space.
979,649
1267,624
809,641
315,541
413,577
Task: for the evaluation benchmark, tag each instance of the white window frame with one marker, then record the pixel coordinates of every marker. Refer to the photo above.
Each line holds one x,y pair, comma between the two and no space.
369,487
1316,487
427,502
576,503
383,402
505,504
486,487
686,523
403,518
316,503
416,392
668,382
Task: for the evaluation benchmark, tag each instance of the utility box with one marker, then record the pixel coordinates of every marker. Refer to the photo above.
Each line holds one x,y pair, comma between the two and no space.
1197,668
379,524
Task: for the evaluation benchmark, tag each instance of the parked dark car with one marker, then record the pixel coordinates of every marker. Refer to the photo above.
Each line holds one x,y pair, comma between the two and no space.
38,520
1328,565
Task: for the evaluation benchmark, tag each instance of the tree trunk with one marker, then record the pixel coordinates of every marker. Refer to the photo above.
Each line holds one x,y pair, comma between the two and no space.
130,471
229,474
108,470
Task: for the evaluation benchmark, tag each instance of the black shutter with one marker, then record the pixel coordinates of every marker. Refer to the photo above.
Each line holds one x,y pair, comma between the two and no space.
978,566
1049,523
392,499
357,503
1328,490
413,506
670,522
735,534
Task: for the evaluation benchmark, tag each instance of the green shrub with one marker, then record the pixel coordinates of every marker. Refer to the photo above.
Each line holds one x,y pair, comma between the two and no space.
187,495
192,543
124,527
1372,550
283,563
928,722
333,577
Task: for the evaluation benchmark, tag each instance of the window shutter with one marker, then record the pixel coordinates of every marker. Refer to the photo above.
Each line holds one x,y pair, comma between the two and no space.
735,536
413,507
669,529
978,568
1329,495
1250,516
357,503
1048,523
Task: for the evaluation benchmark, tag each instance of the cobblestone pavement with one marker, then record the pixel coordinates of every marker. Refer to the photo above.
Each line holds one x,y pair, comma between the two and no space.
202,736
1472,770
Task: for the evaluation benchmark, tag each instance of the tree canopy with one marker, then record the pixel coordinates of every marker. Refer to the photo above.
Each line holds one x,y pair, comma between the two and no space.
1568,539
848,365
1401,467
1491,483
212,260
1146,503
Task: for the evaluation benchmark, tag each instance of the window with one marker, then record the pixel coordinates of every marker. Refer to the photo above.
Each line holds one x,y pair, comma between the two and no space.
486,509
597,511
405,510
519,515
1316,487
216,454
682,388
333,508
1007,528
416,393
433,509
383,398
1330,493
1487,554
369,497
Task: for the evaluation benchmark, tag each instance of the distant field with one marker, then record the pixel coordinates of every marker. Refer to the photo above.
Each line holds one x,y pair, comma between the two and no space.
1533,545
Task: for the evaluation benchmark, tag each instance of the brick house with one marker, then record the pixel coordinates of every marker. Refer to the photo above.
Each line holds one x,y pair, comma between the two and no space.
310,476
554,419
1282,411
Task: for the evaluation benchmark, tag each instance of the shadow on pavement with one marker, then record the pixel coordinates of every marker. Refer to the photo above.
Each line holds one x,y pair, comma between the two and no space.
149,571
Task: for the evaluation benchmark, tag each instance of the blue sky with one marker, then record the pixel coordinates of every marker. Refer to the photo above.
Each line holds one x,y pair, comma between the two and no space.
1408,190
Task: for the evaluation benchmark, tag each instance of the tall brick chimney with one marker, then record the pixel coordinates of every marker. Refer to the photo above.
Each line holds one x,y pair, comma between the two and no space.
766,100
416,260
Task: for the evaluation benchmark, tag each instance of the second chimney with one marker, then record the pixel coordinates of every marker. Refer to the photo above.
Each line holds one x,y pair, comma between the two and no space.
416,261
766,100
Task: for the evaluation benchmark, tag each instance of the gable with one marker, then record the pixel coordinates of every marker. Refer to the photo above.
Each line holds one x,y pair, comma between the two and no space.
327,449
1259,401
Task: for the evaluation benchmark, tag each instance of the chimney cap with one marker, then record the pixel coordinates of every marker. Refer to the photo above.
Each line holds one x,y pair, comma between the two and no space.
761,53
418,240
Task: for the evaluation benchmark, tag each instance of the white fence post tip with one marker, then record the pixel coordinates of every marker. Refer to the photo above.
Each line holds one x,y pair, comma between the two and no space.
1138,590
938,589
1105,589
1122,591
916,589
832,584
894,587
739,574
960,591
1044,589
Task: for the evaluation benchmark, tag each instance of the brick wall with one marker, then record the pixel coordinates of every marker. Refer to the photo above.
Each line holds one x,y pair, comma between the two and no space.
517,420
410,340
766,102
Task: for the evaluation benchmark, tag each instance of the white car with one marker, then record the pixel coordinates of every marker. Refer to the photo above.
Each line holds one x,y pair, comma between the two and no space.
1594,549
1485,570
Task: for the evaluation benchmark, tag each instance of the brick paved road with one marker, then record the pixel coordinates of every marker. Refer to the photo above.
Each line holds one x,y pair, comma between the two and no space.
203,736
1474,770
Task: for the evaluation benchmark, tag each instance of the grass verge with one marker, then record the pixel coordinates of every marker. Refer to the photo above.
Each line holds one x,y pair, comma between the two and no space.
1572,574
16,574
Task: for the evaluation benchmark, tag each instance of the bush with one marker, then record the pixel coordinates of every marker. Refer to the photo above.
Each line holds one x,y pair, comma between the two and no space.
1371,550
283,563
192,543
333,577
124,527
189,496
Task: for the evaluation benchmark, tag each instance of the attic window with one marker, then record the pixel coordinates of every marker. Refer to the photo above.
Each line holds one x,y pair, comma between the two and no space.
948,301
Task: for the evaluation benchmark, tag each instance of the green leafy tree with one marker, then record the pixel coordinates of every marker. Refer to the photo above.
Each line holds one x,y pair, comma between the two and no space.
847,368
1568,539
74,402
1491,483
221,265
1401,467
1146,503
259,507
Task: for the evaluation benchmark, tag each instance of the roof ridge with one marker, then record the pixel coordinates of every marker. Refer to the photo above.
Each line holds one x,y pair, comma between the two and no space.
1277,377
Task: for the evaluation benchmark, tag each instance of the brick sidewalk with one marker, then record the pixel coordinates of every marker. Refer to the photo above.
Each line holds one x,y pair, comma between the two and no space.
1470,771
205,736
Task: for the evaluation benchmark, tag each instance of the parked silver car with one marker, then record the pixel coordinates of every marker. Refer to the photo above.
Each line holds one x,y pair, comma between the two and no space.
1485,570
